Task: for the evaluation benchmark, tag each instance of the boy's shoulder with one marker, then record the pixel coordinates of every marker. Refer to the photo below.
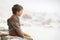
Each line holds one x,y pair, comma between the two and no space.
12,18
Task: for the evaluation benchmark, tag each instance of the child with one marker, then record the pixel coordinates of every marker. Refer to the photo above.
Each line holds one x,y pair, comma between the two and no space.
14,24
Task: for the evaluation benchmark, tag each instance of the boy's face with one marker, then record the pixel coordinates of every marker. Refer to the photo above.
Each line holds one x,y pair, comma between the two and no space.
19,13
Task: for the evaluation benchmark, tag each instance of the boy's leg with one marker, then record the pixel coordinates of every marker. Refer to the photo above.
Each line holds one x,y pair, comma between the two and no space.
25,34
28,37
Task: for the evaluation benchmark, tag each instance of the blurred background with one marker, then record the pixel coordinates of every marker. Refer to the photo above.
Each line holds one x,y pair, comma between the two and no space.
40,18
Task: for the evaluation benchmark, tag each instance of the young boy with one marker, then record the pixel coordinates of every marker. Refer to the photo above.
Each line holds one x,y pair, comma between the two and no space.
14,24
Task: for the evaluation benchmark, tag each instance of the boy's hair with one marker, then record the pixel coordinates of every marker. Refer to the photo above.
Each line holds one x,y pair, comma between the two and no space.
16,8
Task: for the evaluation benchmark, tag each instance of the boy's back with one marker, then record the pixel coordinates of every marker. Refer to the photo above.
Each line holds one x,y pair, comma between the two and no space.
14,26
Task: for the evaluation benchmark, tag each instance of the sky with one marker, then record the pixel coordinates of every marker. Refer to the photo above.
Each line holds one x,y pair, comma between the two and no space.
44,6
